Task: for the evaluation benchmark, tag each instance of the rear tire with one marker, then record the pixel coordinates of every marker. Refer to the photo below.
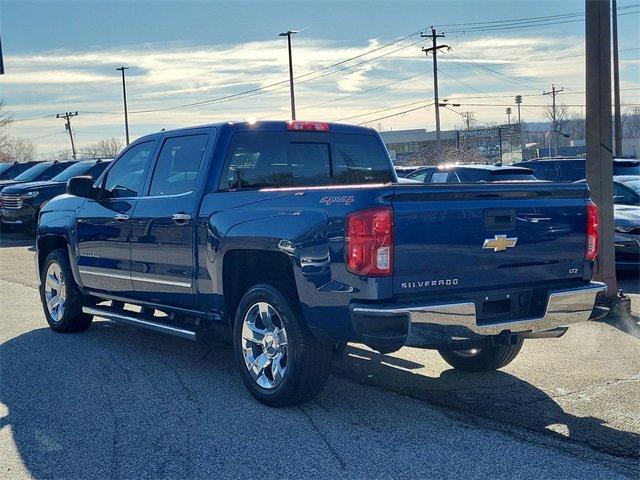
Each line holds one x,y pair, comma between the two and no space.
61,300
281,363
481,359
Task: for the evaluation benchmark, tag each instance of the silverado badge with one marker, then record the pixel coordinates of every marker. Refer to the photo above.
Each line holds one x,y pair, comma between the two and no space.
499,243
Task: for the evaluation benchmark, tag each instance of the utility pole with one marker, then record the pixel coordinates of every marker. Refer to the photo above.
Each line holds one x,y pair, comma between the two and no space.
617,118
553,94
508,112
518,101
67,116
468,118
124,95
598,120
288,34
434,51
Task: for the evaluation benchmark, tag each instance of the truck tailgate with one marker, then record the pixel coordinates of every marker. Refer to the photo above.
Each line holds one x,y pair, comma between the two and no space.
487,236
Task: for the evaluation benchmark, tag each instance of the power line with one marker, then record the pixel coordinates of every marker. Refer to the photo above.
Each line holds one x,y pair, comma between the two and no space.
284,83
395,114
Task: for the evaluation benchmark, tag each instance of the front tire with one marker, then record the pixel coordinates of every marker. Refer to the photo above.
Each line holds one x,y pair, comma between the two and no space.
481,359
61,299
281,363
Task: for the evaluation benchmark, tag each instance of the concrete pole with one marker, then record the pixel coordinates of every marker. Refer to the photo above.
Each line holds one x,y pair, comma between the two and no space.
599,140
616,82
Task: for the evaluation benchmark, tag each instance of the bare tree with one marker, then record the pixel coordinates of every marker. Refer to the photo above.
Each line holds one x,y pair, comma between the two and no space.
106,148
562,117
17,150
12,148
576,127
631,121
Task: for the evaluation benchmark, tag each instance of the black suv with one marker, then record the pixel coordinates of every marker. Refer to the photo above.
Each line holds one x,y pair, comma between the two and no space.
10,170
566,169
20,203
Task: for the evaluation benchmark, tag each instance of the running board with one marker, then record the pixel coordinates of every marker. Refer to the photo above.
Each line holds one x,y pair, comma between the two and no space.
140,323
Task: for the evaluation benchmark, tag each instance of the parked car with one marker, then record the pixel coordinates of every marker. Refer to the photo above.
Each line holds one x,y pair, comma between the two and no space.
41,171
626,211
295,237
471,174
10,170
21,203
560,169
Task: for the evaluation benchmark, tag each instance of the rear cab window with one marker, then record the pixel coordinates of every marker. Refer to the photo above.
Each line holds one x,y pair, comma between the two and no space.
275,160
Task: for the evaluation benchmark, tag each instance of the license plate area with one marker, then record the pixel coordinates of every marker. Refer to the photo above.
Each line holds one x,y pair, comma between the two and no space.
516,305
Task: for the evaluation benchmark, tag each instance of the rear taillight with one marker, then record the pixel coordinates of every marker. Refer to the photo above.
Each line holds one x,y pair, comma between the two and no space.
369,242
307,126
592,232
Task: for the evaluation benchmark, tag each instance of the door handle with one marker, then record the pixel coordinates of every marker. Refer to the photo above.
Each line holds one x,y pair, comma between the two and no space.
121,217
181,218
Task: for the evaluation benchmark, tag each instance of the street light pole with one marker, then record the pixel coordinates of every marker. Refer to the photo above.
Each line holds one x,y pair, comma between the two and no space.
288,34
124,95
518,101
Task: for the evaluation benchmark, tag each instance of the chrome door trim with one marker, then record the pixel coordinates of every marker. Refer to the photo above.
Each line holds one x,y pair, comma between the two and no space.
148,279
164,281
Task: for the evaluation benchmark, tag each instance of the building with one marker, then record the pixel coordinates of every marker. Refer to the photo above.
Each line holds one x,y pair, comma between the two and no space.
501,143
403,145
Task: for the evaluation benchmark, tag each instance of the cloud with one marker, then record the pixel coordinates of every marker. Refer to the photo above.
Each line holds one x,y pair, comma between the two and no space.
165,75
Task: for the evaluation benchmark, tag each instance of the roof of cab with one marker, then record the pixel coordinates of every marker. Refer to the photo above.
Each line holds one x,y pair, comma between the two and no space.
269,126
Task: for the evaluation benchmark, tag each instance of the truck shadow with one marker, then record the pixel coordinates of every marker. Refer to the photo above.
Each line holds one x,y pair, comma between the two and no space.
117,402
497,396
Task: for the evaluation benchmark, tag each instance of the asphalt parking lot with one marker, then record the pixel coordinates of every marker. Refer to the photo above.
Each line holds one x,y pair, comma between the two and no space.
116,402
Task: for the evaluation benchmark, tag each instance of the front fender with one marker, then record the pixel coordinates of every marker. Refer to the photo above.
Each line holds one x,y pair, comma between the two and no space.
57,227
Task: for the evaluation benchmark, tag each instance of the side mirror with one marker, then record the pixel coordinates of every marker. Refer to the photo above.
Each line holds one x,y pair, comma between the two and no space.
82,187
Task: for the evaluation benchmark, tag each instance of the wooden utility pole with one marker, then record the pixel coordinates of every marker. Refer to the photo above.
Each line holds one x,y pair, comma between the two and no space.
617,118
67,116
598,122
554,116
434,51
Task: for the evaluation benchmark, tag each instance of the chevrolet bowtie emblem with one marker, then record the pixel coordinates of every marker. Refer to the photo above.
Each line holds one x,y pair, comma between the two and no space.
499,243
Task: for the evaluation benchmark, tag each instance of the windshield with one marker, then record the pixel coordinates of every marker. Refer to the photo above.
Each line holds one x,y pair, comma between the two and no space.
4,167
74,171
33,172
634,185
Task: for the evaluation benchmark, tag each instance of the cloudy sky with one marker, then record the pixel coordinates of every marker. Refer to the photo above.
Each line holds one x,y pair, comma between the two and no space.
358,62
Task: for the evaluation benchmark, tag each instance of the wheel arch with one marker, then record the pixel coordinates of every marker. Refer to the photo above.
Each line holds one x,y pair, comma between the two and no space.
243,268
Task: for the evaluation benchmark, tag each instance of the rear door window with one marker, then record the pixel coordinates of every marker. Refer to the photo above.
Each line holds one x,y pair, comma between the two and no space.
544,170
439,177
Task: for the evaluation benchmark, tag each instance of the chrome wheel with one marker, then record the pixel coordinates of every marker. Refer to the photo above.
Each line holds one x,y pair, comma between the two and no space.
264,345
55,292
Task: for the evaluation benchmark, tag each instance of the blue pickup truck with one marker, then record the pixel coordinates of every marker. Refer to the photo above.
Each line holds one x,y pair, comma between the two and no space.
295,238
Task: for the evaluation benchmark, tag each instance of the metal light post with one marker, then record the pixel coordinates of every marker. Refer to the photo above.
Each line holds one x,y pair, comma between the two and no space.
518,101
288,34
124,95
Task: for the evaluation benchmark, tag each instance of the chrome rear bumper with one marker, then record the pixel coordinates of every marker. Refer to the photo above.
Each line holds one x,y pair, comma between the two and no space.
460,319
